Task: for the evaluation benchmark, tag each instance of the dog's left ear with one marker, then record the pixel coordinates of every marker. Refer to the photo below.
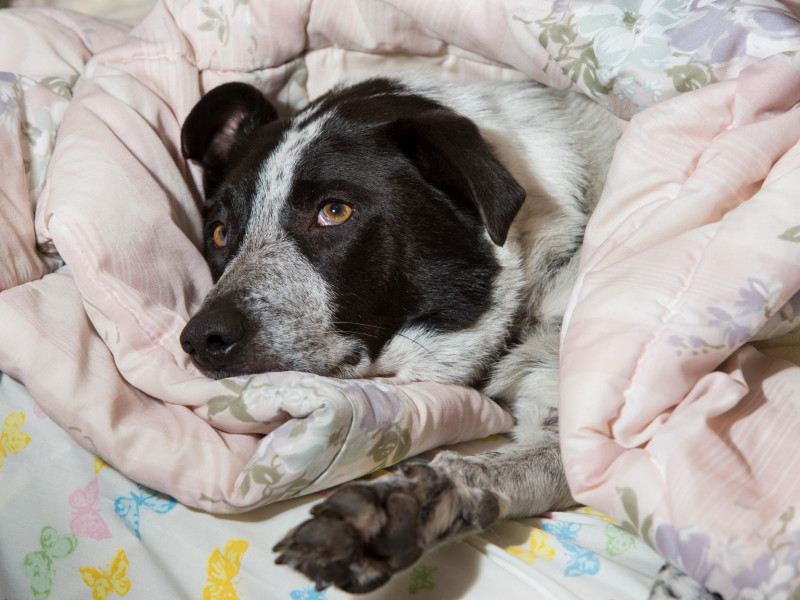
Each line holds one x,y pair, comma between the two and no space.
223,118
450,152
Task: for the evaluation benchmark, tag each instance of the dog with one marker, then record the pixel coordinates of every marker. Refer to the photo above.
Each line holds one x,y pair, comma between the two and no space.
400,226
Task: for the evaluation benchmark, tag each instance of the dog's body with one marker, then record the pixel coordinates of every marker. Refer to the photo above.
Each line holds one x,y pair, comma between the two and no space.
402,227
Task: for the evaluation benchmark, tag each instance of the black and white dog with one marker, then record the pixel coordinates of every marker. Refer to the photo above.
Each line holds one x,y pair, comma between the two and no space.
412,228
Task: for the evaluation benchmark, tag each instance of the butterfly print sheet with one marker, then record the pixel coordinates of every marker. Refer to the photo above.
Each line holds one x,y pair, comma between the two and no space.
74,527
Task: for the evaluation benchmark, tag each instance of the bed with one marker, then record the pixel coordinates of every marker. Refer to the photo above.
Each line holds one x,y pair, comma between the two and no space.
125,472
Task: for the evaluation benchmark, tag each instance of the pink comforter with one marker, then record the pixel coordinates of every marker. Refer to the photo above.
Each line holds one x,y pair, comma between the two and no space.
680,384
680,411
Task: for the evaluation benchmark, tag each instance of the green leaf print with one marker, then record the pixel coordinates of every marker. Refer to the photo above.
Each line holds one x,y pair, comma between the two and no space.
577,60
794,594
218,20
791,235
235,404
219,404
631,505
686,78
392,446
264,475
60,86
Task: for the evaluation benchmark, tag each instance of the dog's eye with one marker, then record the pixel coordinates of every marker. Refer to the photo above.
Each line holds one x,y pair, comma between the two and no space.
220,235
334,213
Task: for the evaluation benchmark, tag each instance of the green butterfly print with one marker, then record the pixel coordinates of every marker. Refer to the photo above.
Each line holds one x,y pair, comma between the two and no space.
421,579
618,541
38,565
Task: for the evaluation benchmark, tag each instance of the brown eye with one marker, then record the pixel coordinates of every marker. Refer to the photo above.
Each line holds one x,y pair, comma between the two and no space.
334,213
220,235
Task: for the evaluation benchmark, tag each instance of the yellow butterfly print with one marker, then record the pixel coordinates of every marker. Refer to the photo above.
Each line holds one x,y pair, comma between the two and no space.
596,513
222,568
99,464
104,582
539,548
12,440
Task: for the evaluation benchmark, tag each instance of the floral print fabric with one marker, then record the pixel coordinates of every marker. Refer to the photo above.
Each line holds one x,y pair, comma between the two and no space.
630,54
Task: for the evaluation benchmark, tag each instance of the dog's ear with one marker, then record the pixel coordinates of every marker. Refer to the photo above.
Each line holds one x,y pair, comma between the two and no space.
451,154
220,120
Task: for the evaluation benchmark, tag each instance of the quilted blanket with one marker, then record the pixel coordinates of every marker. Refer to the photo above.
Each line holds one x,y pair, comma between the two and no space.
679,384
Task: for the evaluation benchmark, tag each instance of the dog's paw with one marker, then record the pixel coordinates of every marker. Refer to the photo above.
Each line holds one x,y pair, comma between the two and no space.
365,532
358,537
671,583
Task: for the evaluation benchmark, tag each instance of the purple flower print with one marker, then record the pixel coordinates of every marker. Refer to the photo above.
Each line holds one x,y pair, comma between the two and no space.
777,20
710,34
8,101
733,334
686,549
755,298
774,573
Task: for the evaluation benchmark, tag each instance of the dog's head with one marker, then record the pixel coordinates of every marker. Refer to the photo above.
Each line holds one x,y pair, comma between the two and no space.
367,222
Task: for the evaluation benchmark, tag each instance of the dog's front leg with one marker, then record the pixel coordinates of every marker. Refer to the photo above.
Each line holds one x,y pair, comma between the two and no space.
365,532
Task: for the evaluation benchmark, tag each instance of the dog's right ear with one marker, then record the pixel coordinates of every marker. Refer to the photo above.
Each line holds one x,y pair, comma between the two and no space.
450,152
218,122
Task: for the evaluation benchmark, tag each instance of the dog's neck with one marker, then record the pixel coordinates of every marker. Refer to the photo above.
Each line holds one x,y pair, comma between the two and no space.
464,355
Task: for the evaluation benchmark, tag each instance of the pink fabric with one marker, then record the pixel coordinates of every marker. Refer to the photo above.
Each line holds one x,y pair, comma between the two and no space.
673,419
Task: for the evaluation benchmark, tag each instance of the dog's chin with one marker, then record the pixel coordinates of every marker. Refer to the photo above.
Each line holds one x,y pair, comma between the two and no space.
224,369
217,372
353,367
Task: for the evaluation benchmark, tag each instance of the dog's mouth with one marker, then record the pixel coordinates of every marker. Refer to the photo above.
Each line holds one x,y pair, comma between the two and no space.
221,343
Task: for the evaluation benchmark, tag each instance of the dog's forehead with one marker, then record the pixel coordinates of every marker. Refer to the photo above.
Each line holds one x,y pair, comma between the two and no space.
277,176
317,142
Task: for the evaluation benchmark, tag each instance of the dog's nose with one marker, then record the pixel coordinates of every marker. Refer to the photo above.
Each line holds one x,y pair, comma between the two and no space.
210,336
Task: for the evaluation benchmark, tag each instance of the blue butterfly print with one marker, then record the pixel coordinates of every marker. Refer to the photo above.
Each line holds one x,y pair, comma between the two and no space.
308,594
129,507
581,562
563,530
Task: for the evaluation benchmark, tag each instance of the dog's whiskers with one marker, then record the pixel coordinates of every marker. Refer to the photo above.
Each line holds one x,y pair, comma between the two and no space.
358,324
398,334
414,340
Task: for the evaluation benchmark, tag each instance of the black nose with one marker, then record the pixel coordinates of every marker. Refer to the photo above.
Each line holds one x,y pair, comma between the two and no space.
210,336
